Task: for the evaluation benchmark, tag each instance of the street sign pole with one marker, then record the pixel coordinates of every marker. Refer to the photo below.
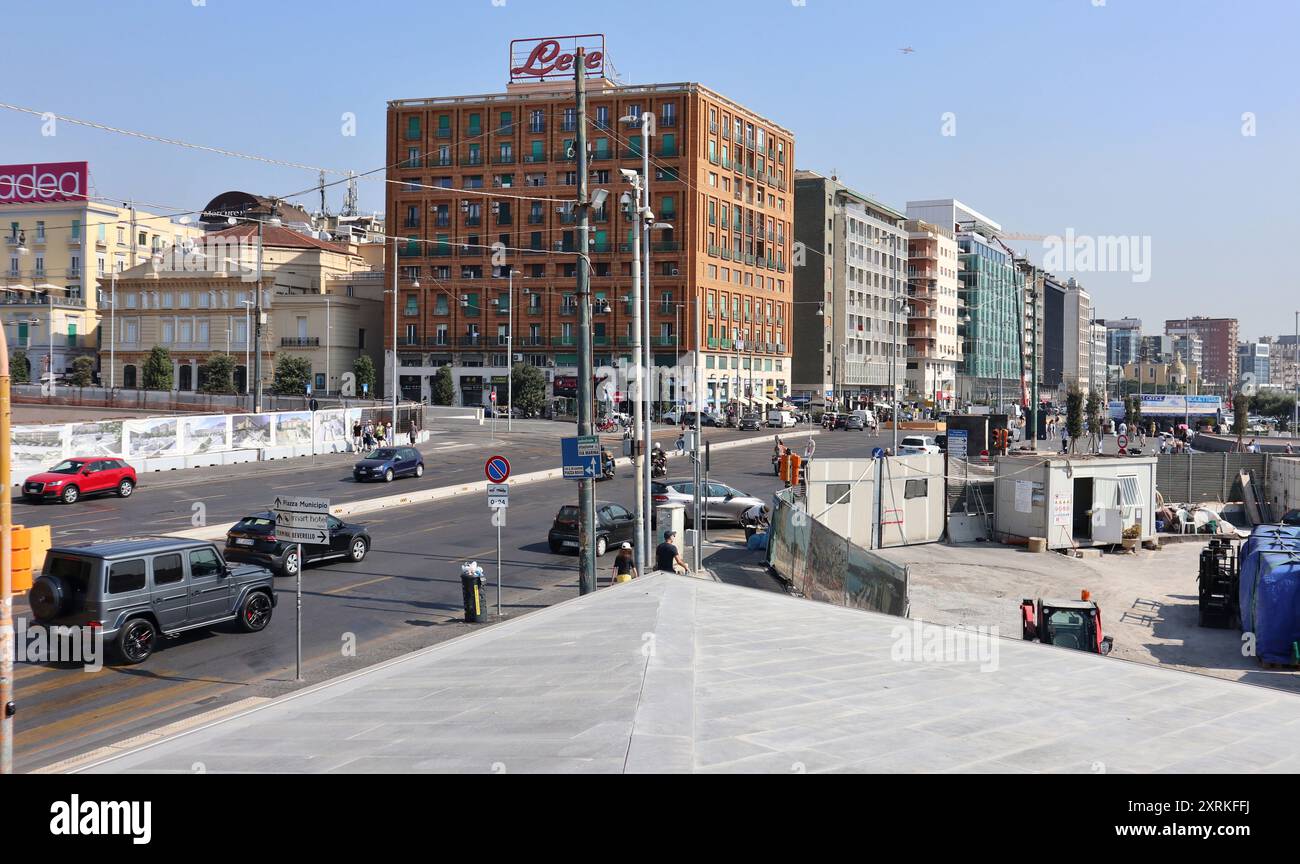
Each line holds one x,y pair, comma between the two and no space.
298,520
498,569
298,621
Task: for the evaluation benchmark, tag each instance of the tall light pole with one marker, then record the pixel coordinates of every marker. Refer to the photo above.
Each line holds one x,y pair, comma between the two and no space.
510,351
1295,373
635,211
112,334
6,575
327,345
50,296
647,411
395,276
248,342
586,486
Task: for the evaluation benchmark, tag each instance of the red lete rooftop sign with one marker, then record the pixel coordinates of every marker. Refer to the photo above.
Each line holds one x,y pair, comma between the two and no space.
553,57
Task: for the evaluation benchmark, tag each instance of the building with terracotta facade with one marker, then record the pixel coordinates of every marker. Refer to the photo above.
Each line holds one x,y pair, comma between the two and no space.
1219,337
484,185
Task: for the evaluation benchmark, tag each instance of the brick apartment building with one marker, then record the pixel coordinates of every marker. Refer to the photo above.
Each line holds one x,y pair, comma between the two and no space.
1218,349
471,172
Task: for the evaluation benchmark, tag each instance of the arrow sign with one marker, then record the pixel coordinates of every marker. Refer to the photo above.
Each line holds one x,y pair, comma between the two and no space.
296,519
303,535
299,504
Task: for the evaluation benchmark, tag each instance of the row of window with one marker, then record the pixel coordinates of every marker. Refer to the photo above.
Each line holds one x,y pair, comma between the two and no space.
535,120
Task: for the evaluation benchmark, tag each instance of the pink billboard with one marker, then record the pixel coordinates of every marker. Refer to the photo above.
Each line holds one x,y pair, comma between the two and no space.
43,182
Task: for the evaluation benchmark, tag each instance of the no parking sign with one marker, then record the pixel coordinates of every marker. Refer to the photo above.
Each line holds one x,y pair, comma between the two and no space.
497,469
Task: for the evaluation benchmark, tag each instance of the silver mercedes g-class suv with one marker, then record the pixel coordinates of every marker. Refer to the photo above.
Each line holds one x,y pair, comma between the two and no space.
136,589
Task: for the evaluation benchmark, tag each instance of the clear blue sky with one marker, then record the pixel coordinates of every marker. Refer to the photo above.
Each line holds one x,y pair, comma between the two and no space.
1117,119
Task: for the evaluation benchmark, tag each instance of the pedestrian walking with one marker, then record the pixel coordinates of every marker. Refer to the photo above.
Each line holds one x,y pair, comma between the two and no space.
1065,439
356,435
624,569
412,431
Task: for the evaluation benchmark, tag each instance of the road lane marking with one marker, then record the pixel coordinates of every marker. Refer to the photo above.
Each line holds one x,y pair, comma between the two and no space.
343,588
94,719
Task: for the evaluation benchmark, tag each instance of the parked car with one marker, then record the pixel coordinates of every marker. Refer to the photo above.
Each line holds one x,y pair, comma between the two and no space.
750,423
135,590
721,503
1291,517
852,422
386,463
615,524
73,478
780,418
706,419
916,444
252,539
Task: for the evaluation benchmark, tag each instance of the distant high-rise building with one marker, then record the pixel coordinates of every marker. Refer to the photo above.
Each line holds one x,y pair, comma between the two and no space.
1253,359
992,320
855,277
1077,345
1123,340
1218,346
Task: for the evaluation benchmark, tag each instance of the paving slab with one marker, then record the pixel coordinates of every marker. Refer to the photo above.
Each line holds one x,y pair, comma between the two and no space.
669,674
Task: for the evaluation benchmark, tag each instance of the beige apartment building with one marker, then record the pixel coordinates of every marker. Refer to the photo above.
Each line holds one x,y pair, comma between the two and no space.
933,348
54,254
320,300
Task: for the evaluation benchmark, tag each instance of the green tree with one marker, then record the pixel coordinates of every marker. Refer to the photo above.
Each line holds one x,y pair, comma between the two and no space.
1135,413
83,372
292,375
19,371
1240,416
363,369
157,372
1074,416
220,370
529,385
443,392
1092,408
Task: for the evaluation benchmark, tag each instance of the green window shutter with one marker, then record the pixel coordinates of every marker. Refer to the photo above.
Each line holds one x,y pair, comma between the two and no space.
670,145
669,206
537,150
475,126
634,144
413,127
444,121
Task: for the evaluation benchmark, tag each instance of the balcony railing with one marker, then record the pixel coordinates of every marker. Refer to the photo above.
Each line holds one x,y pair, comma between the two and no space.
471,341
561,341
299,341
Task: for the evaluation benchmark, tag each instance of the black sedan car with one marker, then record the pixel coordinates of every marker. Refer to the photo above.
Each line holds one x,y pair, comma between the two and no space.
252,540
614,526
750,423
386,463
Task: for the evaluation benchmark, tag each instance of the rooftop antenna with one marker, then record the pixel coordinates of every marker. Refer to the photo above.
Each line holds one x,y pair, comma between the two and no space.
350,200
323,211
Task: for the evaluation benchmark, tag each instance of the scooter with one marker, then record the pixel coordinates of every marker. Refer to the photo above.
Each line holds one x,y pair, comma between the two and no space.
606,471
659,466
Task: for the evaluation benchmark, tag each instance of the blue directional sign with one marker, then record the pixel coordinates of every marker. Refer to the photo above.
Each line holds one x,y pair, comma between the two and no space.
878,453
580,463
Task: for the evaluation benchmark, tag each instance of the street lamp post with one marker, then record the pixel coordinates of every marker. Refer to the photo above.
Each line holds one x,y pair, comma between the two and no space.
248,305
395,292
510,350
635,210
112,334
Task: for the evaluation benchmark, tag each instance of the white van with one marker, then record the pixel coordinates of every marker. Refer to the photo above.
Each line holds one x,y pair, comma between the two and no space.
780,418
868,418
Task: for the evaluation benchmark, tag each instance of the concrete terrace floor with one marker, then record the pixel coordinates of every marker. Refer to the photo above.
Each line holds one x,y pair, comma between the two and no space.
672,674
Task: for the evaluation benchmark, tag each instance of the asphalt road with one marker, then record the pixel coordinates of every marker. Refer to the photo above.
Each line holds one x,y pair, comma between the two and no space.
165,502
405,595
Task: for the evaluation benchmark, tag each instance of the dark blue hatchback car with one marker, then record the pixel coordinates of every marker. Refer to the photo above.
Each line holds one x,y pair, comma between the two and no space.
386,463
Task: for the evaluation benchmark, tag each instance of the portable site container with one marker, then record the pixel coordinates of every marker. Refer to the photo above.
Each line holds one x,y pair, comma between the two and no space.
1074,501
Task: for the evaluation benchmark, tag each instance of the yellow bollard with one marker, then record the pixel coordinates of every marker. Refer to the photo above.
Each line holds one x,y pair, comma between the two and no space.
22,558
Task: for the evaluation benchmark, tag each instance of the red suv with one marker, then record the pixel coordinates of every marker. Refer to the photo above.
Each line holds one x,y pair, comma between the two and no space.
72,478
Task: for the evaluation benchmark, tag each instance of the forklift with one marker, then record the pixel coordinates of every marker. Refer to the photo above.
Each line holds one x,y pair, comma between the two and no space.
1065,623
1218,582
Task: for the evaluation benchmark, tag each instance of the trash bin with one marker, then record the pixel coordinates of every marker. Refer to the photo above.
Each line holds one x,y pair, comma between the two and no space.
471,590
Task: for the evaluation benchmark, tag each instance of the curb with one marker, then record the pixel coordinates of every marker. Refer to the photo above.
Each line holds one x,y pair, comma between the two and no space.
426,496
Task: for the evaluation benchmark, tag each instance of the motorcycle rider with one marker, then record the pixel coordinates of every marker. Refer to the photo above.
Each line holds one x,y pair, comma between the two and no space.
658,460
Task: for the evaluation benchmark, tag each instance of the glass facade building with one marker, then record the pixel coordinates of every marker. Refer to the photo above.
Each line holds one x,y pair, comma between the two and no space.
991,292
